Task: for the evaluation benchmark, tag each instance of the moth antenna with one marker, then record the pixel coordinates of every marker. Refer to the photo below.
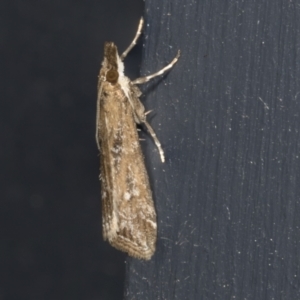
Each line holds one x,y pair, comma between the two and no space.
133,43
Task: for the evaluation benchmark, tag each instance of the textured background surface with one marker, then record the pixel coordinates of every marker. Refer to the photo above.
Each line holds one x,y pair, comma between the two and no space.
228,117
50,221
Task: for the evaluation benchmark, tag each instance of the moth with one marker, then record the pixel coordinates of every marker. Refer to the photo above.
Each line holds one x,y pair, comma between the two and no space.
129,217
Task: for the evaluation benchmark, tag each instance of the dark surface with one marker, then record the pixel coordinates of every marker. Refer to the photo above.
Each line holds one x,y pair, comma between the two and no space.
227,115
50,218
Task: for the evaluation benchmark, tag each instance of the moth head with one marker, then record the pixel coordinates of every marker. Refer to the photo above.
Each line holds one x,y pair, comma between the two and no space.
112,66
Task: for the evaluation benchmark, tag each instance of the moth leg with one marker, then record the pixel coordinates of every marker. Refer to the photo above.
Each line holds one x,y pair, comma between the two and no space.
133,43
160,72
140,118
156,141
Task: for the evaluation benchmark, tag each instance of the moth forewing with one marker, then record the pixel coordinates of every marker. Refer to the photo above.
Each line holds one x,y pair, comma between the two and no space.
129,218
100,88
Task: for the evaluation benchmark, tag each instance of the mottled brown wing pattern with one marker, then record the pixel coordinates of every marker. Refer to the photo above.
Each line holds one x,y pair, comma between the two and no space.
129,218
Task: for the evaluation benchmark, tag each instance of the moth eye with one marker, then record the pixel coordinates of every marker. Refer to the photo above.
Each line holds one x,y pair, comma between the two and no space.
112,76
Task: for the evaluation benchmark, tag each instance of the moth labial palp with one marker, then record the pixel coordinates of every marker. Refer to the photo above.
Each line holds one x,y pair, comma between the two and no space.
129,217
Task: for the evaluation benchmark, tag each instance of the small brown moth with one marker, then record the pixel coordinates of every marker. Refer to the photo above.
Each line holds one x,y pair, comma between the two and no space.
129,218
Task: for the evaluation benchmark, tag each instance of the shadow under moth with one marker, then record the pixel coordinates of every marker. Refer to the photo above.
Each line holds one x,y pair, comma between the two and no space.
129,218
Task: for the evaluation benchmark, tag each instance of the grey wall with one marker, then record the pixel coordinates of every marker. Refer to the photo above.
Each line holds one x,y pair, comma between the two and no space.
227,115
